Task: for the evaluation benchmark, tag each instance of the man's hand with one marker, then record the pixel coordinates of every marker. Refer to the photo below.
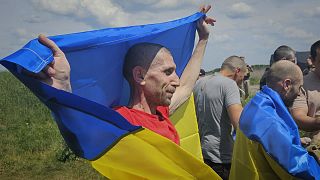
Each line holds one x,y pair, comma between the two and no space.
191,71
305,141
57,73
202,24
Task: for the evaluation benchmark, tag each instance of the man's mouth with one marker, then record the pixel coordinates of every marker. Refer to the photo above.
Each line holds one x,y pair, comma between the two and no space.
171,91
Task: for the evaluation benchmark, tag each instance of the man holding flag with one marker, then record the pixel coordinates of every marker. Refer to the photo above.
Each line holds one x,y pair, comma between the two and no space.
99,134
156,90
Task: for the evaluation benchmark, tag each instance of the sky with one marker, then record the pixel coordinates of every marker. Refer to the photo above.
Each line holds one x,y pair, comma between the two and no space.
249,28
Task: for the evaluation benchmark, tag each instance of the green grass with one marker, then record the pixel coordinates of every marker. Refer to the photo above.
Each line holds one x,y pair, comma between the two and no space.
30,143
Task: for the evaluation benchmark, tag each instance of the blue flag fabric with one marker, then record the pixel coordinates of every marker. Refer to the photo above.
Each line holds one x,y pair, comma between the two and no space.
266,120
96,59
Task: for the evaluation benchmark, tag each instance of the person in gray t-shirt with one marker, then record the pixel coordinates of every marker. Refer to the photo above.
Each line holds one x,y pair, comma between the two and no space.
218,109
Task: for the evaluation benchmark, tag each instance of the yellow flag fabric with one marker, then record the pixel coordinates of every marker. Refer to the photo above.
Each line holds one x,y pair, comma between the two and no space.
250,160
147,155
185,121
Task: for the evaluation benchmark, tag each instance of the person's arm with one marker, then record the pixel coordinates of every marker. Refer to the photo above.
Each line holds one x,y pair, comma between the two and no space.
191,71
234,112
304,121
299,112
57,73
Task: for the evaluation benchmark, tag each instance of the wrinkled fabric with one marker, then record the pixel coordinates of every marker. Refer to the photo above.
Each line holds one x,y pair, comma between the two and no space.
266,120
85,118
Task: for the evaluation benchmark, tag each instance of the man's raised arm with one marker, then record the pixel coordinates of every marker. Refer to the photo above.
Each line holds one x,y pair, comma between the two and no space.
191,71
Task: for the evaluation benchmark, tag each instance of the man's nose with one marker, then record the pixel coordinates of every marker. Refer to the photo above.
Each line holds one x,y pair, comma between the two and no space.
176,80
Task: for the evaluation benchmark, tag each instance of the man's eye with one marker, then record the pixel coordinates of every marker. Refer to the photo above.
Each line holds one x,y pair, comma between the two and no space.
168,72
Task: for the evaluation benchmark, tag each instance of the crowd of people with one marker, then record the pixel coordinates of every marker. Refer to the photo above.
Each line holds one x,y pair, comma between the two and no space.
287,102
263,120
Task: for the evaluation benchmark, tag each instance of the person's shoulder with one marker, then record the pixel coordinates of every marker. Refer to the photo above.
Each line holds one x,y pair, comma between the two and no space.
311,76
223,82
311,81
223,78
202,81
227,82
217,79
264,116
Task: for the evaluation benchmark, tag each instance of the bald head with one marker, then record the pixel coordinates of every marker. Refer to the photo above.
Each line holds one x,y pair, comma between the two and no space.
142,55
282,70
285,77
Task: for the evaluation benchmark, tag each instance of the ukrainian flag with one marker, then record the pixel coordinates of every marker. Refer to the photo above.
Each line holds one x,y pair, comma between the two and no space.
268,144
94,131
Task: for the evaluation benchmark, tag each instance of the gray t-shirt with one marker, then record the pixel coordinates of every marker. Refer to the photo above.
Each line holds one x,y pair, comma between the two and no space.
213,94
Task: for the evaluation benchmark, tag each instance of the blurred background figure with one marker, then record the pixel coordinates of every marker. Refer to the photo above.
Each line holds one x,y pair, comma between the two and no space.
202,73
310,66
218,109
244,86
306,107
281,53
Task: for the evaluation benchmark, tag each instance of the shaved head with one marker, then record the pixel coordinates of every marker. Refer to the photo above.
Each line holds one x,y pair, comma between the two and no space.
284,53
282,70
286,78
142,55
233,62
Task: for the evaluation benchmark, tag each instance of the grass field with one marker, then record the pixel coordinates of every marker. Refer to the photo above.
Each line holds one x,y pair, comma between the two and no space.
30,143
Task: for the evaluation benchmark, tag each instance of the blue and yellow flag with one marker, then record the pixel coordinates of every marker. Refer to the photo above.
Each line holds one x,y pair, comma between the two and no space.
268,143
90,127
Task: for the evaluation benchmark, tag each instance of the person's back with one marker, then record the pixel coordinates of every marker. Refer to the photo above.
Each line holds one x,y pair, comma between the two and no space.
268,143
218,108
211,98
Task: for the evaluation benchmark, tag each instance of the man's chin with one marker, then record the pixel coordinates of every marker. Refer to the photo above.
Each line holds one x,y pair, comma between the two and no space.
166,103
288,103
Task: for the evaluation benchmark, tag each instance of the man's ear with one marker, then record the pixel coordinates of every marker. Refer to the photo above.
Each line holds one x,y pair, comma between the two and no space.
286,84
237,70
138,73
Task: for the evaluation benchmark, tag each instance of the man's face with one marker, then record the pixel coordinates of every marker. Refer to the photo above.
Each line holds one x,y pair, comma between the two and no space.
293,92
161,80
239,76
293,58
316,62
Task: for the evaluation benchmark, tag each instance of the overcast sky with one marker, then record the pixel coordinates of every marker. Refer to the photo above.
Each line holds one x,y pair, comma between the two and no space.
250,28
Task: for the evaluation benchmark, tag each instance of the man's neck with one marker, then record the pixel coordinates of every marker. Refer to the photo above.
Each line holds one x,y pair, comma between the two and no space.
144,108
139,102
227,74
